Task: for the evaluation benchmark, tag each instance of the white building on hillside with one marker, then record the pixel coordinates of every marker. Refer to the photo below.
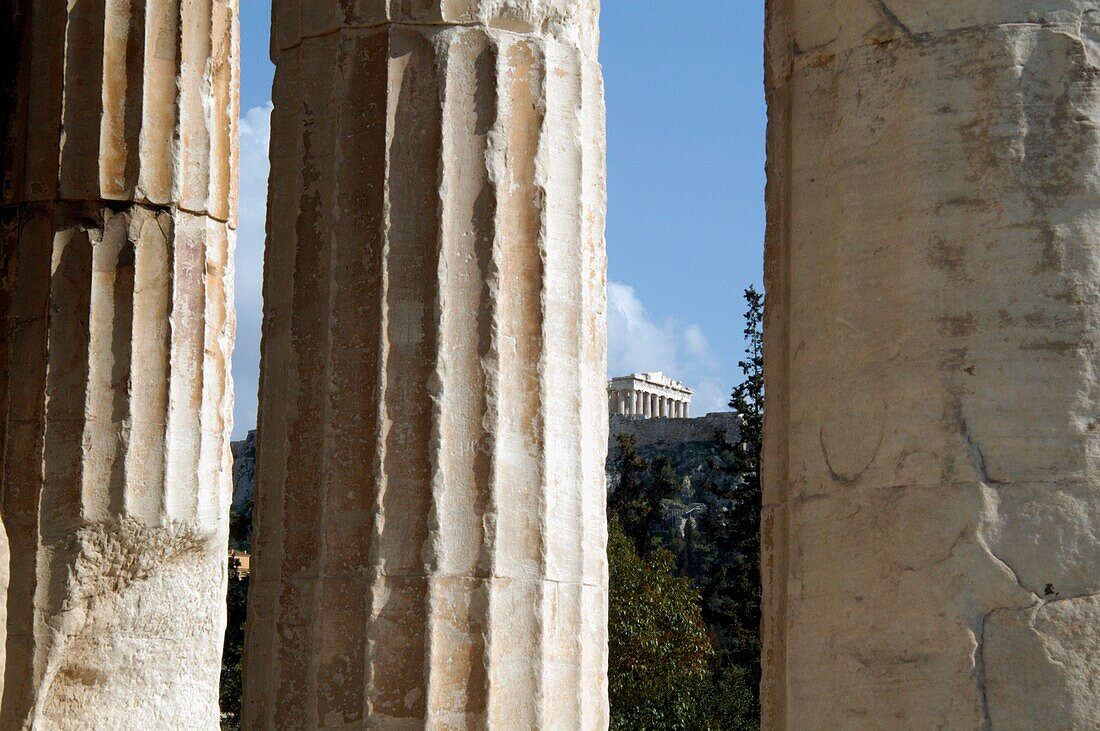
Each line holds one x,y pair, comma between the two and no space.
650,396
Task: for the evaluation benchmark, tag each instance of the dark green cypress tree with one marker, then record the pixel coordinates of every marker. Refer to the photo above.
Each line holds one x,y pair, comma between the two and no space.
742,532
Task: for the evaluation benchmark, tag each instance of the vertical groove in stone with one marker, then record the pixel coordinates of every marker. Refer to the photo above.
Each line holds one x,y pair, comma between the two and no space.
356,328
595,712
115,412
326,135
307,402
82,102
515,647
398,635
188,327
29,265
151,371
458,595
459,291
120,130
158,134
559,163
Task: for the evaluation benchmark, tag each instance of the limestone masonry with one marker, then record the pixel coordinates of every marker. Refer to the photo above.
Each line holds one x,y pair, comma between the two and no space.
118,134
430,492
932,452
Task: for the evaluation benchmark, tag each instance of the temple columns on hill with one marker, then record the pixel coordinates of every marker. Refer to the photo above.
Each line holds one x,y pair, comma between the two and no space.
118,140
650,396
931,485
430,521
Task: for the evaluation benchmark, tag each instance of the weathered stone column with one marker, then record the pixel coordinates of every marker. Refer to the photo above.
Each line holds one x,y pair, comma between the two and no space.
430,485
116,210
932,486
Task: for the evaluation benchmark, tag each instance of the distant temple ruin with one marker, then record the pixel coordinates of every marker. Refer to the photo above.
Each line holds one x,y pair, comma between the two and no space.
649,395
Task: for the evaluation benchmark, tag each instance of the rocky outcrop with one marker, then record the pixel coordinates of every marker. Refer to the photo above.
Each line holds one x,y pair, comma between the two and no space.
694,448
932,488
429,522
244,470
116,233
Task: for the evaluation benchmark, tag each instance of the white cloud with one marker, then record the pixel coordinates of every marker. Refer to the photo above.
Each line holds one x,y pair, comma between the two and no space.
255,135
636,343
696,342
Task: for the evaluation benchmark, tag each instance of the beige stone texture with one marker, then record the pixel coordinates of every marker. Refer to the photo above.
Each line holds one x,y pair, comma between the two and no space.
116,236
430,530
932,510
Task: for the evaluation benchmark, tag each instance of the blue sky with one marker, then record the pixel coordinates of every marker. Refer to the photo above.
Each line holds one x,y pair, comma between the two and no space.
685,228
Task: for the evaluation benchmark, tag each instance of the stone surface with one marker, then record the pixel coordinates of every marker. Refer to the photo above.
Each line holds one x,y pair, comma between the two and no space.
932,505
244,470
430,530
669,432
116,237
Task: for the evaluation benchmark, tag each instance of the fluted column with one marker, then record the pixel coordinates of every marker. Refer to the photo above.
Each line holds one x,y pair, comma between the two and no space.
430,526
116,233
932,484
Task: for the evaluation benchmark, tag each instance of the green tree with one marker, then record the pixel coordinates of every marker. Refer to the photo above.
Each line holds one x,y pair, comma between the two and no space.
737,592
636,495
236,600
231,687
659,671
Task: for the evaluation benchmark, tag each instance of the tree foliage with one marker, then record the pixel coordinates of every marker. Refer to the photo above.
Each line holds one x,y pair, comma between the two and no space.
231,686
659,651
739,596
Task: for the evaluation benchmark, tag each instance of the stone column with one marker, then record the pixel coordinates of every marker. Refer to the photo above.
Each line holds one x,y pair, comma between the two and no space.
430,518
116,237
932,486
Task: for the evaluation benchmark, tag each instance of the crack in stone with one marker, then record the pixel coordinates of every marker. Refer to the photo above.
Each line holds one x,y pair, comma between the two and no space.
979,671
891,18
846,479
973,449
